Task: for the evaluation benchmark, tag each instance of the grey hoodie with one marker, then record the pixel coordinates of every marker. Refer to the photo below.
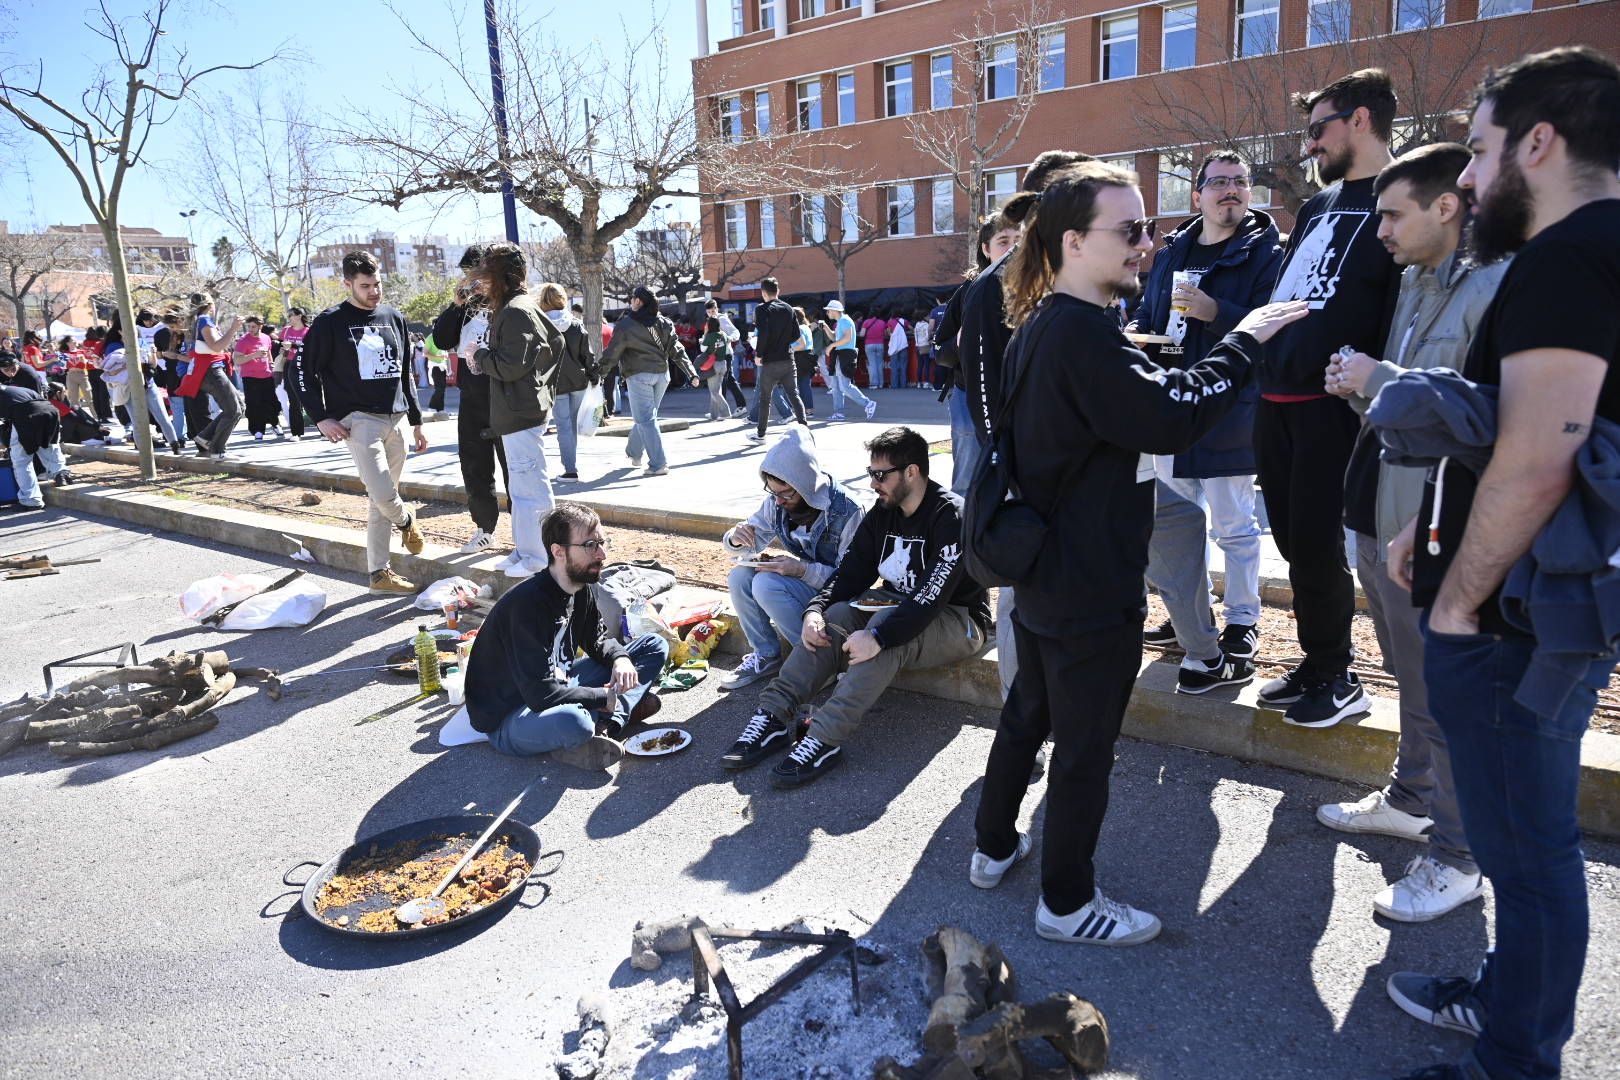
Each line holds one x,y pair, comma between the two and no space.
792,459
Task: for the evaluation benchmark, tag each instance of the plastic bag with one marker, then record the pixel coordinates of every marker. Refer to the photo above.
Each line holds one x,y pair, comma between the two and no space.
202,598
589,417
293,605
446,591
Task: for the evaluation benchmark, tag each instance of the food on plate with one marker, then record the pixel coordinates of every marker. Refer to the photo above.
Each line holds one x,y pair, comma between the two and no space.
669,740
366,889
879,602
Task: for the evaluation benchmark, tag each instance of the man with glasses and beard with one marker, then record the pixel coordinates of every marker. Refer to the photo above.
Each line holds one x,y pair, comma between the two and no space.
1546,149
929,613
525,688
1303,435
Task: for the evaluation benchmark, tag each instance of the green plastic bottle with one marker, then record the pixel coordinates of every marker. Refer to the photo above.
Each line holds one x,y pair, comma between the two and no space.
427,662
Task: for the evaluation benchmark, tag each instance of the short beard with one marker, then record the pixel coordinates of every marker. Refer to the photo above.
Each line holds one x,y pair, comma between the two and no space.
1333,169
1502,215
588,576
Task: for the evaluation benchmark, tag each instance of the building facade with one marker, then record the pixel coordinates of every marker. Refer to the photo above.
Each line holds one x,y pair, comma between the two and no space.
145,250
425,255
1148,86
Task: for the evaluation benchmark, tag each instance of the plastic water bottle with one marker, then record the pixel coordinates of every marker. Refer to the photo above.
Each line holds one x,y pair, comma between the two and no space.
427,662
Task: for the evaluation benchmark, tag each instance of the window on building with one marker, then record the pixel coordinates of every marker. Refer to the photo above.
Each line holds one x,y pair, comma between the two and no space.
809,9
1000,70
1054,45
1327,22
897,88
849,216
1175,183
846,97
999,186
1490,9
941,91
1119,47
1419,14
736,18
1180,36
1256,27
762,111
736,218
813,219
767,223
1258,153
731,119
809,105
900,209
767,14
943,201
1122,161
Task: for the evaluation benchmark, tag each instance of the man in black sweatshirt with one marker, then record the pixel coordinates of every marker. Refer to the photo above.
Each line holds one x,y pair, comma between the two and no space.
778,330
929,613
460,328
354,380
1303,436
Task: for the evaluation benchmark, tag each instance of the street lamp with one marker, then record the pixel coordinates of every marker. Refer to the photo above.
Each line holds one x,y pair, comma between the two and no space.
190,234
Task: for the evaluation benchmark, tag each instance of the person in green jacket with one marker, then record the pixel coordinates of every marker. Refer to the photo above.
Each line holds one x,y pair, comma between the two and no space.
644,349
713,352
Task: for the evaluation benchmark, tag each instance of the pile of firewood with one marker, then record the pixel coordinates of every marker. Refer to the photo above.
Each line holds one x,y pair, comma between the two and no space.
976,1022
130,708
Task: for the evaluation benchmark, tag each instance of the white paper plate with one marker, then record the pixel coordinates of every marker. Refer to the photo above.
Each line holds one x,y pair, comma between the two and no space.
870,608
638,744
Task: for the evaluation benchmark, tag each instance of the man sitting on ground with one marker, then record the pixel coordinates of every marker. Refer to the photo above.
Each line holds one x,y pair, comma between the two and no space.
525,689
811,516
939,615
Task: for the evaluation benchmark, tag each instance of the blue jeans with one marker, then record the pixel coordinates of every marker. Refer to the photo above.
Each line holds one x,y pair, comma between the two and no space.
843,386
22,467
874,365
898,362
566,413
767,603
561,726
1517,774
1235,530
646,393
965,448
1178,567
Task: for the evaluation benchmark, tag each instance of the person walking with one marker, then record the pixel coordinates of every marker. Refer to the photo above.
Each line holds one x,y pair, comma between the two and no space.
844,359
258,380
171,363
292,341
778,330
78,374
643,350
142,380
354,379
437,361
804,361
210,374
460,329
577,369
733,390
712,366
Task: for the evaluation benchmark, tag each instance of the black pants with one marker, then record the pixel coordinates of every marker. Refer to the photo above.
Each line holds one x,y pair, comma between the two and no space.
100,400
478,457
196,413
1074,689
263,407
440,380
610,392
769,376
295,411
731,389
1303,448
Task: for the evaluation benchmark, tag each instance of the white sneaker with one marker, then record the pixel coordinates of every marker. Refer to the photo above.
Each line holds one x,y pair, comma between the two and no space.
871,409
480,541
509,562
1374,815
1101,922
755,437
522,567
1429,890
986,873
751,669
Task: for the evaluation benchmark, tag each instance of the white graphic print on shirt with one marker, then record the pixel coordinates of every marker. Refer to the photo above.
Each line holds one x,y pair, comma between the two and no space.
375,351
1314,268
473,333
902,562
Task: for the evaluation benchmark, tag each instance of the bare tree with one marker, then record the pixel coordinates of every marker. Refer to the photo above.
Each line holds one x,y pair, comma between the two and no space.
51,304
25,258
103,138
553,260
1004,45
840,236
670,262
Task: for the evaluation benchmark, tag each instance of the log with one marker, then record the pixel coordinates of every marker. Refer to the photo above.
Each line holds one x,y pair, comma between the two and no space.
12,733
154,740
115,709
176,669
1073,1026
964,979
269,676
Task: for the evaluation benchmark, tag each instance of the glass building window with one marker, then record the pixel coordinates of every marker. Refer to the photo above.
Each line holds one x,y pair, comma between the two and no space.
1328,22
809,9
941,92
736,218
999,186
767,223
1119,47
1490,9
849,216
1000,70
1054,44
846,97
1419,14
809,104
736,18
1256,27
1180,36
897,88
900,209
944,205
762,111
731,119
767,14
813,223
1175,184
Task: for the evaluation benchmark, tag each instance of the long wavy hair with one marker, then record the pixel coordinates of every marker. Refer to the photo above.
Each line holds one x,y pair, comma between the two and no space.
1068,202
505,272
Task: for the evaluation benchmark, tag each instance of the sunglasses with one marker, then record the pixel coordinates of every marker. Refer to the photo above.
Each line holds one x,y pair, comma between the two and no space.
1132,231
1316,127
878,475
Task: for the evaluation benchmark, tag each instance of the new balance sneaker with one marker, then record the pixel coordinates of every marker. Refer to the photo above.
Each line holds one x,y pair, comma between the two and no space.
753,668
1450,1004
986,873
761,737
871,409
809,760
1163,635
386,581
1429,890
593,755
480,541
1240,641
1200,677
411,534
1101,922
1328,702
1375,815
1286,688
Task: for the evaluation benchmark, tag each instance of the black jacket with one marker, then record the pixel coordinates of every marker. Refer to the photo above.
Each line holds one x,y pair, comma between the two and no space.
1089,406
983,343
778,331
577,367
34,420
524,649
474,386
357,361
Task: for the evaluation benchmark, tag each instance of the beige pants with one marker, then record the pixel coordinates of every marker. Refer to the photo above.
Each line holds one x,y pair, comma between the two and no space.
377,444
78,389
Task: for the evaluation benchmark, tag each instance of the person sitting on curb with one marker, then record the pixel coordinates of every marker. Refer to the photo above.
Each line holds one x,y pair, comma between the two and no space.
814,518
525,689
939,615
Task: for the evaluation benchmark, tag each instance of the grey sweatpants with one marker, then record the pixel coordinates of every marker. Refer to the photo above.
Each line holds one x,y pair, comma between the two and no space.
952,636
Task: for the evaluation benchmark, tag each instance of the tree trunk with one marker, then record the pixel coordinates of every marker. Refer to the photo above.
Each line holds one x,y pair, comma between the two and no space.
590,284
840,265
139,418
20,306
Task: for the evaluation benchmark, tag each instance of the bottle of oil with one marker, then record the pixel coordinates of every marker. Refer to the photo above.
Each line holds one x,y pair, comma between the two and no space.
427,662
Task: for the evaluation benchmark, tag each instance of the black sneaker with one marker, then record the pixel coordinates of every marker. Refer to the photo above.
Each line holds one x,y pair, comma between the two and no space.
64,478
1328,702
1197,677
763,736
1449,1004
809,760
1286,689
1163,635
1240,642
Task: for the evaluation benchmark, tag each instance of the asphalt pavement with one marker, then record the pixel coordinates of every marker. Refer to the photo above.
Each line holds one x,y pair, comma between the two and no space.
145,930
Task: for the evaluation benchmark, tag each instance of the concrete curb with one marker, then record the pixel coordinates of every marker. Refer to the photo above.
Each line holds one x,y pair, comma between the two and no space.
1359,753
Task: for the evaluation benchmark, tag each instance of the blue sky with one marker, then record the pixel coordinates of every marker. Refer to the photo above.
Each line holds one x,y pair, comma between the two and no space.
335,36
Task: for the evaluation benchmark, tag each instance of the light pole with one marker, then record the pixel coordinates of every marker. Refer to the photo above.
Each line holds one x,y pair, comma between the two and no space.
191,235
497,84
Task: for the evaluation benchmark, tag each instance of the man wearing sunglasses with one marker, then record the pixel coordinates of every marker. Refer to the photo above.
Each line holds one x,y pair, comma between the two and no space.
1213,270
929,613
810,516
1303,436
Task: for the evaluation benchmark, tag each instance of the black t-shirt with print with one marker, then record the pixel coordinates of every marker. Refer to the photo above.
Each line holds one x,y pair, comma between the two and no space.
1204,256
1562,292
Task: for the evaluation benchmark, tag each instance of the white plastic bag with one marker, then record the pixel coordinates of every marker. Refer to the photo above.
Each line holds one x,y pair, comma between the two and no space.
589,417
292,605
202,598
445,591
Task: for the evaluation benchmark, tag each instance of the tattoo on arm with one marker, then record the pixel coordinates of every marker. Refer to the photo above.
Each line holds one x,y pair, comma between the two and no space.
1572,428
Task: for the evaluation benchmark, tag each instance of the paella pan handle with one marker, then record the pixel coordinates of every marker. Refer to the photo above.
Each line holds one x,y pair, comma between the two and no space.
286,878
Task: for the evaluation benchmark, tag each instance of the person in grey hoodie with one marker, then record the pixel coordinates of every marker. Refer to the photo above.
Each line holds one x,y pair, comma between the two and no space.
1421,213
644,348
813,518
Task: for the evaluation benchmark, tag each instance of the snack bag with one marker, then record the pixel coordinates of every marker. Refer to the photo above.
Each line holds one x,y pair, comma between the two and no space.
706,635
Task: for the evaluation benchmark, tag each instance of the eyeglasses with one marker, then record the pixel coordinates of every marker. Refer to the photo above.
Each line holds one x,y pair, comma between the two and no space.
878,475
780,496
1224,183
598,546
1132,231
1314,131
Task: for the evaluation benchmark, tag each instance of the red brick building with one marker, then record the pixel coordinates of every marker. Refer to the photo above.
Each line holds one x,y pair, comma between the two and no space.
1151,85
